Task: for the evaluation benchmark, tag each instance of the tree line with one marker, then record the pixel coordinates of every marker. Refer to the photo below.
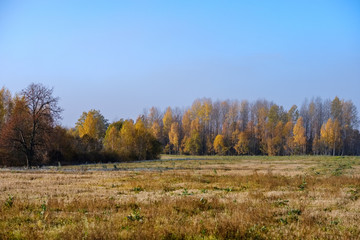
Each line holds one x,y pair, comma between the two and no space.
30,133
257,128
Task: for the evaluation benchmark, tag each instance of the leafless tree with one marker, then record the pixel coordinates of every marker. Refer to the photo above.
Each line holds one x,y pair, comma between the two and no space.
30,126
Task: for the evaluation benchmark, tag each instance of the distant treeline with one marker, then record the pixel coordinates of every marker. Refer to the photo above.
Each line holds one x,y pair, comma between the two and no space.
257,128
29,134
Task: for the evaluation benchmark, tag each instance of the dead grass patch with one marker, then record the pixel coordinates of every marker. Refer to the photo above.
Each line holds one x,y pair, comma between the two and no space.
235,199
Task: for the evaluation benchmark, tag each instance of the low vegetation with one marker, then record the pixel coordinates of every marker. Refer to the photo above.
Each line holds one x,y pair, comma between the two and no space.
185,197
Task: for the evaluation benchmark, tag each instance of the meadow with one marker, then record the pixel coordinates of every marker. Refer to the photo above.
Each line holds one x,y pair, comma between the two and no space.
185,197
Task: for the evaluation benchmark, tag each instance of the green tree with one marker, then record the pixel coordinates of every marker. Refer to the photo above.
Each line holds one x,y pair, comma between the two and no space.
193,144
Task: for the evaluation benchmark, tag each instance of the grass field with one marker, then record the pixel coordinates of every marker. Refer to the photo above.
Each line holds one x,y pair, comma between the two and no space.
185,197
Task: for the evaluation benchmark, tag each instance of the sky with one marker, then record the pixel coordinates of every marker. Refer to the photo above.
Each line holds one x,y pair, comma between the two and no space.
122,57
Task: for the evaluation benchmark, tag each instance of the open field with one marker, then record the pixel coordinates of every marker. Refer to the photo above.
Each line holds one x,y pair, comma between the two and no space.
302,197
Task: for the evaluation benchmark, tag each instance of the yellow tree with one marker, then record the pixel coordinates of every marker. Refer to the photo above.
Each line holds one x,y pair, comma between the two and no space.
337,136
317,145
156,130
242,145
192,144
299,136
141,136
208,108
137,142
274,140
288,137
167,121
89,126
174,136
93,124
261,128
278,138
219,145
330,135
127,140
186,123
111,139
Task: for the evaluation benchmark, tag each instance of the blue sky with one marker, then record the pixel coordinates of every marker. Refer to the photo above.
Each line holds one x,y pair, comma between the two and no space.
123,56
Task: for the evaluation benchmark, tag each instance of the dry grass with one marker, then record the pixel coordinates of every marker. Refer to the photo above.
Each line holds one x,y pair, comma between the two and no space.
202,198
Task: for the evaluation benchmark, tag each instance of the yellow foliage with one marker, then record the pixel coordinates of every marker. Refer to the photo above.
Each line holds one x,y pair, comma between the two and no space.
242,145
167,121
89,126
195,125
330,135
219,145
288,136
111,139
174,136
156,130
299,136
186,123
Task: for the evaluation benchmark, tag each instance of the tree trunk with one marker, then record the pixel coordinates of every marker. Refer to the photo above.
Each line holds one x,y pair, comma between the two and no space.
27,162
29,159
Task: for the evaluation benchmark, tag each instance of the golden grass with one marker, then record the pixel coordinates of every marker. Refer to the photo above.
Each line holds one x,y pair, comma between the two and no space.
203,198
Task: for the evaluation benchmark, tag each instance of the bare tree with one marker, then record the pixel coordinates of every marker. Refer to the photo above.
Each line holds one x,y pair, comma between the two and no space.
30,126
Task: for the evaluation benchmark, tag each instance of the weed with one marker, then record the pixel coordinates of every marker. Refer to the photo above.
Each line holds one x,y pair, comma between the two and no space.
302,185
168,189
354,194
283,221
294,212
281,202
9,202
43,208
135,216
327,209
186,193
203,201
335,222
137,189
